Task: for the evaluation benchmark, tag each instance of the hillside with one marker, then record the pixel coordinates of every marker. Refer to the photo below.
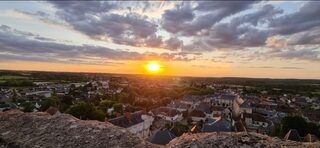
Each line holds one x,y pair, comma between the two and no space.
18,129
43,130
234,140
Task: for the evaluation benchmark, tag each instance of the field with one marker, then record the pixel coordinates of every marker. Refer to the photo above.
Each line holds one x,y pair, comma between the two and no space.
4,78
13,80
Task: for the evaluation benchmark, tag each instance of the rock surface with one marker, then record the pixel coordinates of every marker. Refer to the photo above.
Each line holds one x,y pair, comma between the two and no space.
18,129
233,140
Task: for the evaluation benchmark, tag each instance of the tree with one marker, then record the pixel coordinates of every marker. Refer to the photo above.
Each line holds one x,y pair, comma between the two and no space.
123,97
52,101
105,104
83,110
14,96
294,122
28,106
298,123
118,107
131,108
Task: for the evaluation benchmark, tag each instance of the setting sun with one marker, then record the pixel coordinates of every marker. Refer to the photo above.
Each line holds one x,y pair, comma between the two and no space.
153,67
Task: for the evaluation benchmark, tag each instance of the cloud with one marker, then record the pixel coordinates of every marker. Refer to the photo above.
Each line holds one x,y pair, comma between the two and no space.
241,32
291,68
310,37
253,31
95,19
182,19
276,42
19,46
299,54
272,67
307,17
173,43
174,20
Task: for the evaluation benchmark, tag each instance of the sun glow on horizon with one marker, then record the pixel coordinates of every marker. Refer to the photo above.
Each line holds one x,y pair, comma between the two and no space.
153,67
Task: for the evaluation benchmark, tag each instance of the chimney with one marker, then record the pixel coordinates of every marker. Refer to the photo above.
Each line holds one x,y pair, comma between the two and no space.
128,115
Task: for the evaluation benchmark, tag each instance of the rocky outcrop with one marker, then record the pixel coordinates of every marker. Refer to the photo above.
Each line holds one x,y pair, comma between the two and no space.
18,129
234,140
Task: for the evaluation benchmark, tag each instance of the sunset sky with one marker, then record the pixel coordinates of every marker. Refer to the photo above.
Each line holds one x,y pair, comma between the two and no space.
275,39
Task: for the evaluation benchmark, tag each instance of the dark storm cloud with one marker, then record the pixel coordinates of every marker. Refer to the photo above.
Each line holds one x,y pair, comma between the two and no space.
20,47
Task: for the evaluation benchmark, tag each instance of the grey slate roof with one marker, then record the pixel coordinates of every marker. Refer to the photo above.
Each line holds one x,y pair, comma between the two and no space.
221,125
123,121
169,112
227,97
162,137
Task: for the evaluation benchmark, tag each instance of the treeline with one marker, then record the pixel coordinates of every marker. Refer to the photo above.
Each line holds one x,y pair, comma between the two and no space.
16,83
298,123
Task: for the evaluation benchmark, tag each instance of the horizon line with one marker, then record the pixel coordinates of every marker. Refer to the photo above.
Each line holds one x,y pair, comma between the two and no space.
159,75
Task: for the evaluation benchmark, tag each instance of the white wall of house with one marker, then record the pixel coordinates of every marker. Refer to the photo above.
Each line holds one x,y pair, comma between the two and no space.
223,102
246,110
142,129
182,109
259,123
251,122
175,118
196,119
209,115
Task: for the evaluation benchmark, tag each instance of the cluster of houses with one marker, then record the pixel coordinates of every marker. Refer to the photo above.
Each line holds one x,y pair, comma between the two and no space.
220,112
216,113
44,90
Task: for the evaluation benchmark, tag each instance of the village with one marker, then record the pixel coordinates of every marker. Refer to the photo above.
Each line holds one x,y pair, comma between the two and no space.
161,118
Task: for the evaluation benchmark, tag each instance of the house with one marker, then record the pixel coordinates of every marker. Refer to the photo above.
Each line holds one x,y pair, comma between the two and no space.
205,108
221,125
316,104
266,113
225,100
137,123
255,120
53,111
45,94
180,106
7,106
219,111
162,137
167,113
4,99
197,115
193,100
209,98
302,101
245,107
